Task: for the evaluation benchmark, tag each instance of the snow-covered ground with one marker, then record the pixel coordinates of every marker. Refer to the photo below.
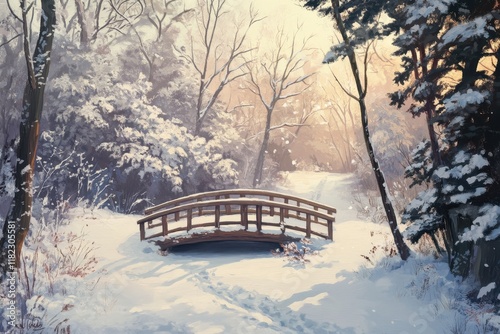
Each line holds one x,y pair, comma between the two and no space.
243,288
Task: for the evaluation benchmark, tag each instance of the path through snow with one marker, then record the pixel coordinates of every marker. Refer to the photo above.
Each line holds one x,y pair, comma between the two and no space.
221,288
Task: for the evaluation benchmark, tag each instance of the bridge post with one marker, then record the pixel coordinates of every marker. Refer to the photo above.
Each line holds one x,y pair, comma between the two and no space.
217,216
271,208
286,210
142,231
282,220
244,215
177,214
258,215
164,225
200,209
227,206
330,229
308,225
316,217
189,219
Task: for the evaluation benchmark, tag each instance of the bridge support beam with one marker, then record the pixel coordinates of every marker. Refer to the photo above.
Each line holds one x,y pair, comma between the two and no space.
217,216
189,225
244,216
164,225
308,225
258,213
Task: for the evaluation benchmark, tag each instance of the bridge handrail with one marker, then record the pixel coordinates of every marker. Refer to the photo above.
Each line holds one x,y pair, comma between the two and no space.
239,192
312,215
236,201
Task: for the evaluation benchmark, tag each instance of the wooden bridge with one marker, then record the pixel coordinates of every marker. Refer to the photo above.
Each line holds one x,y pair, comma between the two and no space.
236,214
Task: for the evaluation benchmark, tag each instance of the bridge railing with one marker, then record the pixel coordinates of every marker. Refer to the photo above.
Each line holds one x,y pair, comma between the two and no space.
248,210
239,193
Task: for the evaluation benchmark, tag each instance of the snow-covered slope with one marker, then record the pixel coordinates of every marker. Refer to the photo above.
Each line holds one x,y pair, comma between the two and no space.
243,288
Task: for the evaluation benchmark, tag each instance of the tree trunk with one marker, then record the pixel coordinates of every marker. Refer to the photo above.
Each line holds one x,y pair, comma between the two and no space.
403,249
492,137
259,167
84,34
17,224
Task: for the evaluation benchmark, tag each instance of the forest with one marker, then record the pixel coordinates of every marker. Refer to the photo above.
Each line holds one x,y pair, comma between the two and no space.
123,104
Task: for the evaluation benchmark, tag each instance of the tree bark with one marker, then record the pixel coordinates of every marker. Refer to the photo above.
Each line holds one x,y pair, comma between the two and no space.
494,133
17,224
84,34
257,177
403,249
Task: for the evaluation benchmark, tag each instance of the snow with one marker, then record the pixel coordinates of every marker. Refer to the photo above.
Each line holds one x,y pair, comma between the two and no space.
486,225
241,288
486,289
424,9
461,100
474,29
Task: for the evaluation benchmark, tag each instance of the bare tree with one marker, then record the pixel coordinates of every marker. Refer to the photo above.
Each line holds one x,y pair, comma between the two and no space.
162,14
102,17
17,224
161,17
217,65
297,112
341,125
277,77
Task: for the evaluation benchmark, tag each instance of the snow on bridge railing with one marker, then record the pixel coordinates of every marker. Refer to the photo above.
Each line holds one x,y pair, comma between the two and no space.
214,205
228,193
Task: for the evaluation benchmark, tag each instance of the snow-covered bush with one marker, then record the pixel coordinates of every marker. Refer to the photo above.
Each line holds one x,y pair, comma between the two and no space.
140,152
296,253
51,255
7,186
53,260
46,315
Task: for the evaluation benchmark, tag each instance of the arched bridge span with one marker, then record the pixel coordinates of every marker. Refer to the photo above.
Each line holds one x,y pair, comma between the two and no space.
236,214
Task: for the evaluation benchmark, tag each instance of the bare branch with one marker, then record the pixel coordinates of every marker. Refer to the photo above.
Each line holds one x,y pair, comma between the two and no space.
13,13
287,96
27,48
348,93
219,64
289,125
176,18
365,62
10,40
142,47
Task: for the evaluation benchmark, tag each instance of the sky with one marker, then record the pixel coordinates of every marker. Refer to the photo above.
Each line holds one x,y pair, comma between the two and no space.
290,14
280,12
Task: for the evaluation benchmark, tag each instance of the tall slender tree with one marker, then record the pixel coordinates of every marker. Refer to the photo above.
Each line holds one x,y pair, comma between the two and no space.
277,78
217,64
361,88
358,28
17,223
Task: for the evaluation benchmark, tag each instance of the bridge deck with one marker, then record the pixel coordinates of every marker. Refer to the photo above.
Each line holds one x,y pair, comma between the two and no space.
269,217
219,235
